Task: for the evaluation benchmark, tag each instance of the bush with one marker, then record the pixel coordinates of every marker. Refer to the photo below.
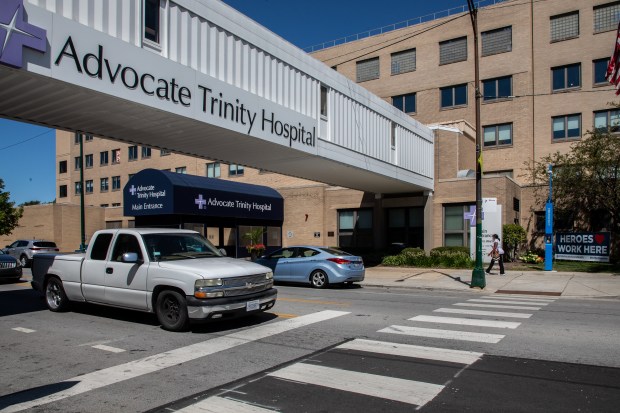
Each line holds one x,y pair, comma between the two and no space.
531,257
442,257
443,250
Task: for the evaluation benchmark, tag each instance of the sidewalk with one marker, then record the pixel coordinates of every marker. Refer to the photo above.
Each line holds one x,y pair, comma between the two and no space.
564,284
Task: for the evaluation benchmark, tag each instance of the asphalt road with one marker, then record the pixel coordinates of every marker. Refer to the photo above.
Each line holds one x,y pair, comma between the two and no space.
338,350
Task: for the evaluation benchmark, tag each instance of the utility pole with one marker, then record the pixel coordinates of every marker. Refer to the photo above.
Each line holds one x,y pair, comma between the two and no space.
477,276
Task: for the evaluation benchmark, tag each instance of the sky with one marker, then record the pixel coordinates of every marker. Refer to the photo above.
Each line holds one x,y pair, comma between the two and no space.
27,152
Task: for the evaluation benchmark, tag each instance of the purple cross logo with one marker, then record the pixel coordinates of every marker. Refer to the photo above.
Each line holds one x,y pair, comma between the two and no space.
16,33
471,215
132,190
201,202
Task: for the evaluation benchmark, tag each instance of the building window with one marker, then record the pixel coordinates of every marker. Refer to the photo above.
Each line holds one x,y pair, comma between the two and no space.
133,153
566,127
103,158
496,89
599,69
456,229
496,174
452,51
213,170
566,77
62,167
405,226
116,156
406,103
235,170
355,228
565,26
146,152
116,183
323,101
78,188
497,41
151,20
367,70
453,96
89,186
62,191
403,62
103,187
88,160
104,205
77,164
88,137
498,135
164,152
607,120
606,17
181,170
116,204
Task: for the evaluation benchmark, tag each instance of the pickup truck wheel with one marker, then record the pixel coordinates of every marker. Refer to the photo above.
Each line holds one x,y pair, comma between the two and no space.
171,310
55,296
319,279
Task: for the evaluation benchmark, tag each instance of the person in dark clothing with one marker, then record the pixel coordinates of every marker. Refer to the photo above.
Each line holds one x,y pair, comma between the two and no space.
497,254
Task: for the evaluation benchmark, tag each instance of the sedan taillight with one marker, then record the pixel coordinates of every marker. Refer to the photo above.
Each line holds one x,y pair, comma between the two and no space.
339,260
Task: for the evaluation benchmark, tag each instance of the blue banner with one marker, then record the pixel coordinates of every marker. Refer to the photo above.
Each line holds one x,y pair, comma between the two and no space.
583,246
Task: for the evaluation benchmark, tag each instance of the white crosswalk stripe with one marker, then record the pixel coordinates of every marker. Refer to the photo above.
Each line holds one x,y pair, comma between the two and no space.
466,321
482,312
522,298
490,301
511,307
444,334
223,405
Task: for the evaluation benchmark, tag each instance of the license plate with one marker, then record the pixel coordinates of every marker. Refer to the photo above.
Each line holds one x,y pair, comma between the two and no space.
252,305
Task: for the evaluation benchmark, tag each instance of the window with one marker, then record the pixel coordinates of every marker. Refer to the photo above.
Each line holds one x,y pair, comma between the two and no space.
104,205
151,20
62,167
497,41
103,187
116,156
88,137
498,88
62,191
164,152
455,226
355,228
498,135
77,164
100,247
88,160
453,96
405,226
116,183
103,158
565,26
89,186
606,17
213,170
566,77
566,127
599,69
607,120
125,243
403,62
146,152
133,153
406,103
78,188
235,170
181,170
452,51
367,70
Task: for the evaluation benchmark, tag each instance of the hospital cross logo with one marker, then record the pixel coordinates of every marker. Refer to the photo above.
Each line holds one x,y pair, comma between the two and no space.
16,33
201,202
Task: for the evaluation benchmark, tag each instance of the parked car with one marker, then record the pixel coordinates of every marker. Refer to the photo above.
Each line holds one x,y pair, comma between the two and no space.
10,268
317,266
24,250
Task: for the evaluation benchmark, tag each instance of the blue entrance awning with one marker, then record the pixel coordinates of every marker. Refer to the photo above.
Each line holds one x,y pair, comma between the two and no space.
155,192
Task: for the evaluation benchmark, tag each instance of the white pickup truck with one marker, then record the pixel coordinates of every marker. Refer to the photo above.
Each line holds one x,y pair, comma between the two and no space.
177,274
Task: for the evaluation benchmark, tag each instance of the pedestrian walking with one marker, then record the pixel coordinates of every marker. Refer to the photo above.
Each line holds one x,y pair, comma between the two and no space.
497,254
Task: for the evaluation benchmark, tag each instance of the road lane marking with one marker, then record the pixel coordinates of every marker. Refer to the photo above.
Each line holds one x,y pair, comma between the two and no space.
108,348
444,334
23,330
401,390
516,298
482,312
510,307
465,321
111,375
482,300
409,350
218,404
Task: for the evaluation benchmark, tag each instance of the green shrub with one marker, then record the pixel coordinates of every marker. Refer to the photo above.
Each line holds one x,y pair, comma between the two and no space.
442,257
446,250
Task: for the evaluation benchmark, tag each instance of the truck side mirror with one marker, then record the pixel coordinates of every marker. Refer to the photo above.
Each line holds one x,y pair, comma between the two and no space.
130,257
223,251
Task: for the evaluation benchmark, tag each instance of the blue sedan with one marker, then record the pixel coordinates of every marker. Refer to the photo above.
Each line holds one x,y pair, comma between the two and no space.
318,266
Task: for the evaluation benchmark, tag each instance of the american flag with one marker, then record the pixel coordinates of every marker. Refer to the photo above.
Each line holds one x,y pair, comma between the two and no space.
613,68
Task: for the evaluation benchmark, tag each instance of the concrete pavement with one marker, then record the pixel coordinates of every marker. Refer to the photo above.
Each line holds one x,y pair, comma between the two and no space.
550,283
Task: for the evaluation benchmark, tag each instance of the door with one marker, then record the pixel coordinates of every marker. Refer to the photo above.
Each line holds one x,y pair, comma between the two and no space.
303,263
125,282
280,263
93,268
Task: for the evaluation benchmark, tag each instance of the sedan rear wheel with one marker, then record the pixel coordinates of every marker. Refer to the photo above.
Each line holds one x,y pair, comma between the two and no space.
319,279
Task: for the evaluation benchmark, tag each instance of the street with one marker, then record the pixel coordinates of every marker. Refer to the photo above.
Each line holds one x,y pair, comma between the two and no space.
337,350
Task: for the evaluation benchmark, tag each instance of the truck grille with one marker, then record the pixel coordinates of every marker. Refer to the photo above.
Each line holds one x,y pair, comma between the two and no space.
246,285
7,265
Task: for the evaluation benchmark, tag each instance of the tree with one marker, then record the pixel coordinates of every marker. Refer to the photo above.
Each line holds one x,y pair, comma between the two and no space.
9,215
514,235
586,183
28,203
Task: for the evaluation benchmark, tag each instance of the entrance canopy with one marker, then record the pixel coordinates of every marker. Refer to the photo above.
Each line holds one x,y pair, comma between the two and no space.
155,192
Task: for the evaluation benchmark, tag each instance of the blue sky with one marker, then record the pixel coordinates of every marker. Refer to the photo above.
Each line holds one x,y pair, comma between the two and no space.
27,152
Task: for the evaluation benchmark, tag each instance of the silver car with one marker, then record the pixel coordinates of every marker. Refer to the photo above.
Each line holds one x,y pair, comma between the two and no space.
25,250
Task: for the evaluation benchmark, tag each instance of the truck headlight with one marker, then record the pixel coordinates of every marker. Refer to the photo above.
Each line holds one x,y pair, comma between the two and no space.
212,282
269,275
203,288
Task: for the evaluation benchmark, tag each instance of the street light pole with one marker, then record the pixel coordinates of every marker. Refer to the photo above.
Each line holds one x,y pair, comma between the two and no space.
477,277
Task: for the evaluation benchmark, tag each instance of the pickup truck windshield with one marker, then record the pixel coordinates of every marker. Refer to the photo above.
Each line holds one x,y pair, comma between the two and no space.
168,247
